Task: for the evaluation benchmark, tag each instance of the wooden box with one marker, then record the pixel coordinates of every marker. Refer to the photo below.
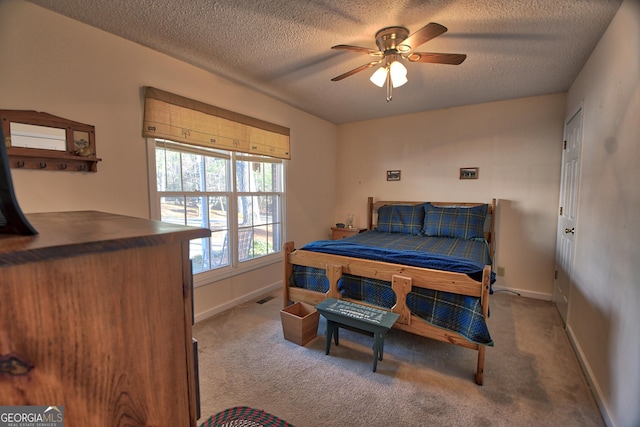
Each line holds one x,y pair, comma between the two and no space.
299,323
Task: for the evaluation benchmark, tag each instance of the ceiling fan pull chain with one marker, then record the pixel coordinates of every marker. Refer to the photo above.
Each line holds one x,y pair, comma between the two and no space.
389,88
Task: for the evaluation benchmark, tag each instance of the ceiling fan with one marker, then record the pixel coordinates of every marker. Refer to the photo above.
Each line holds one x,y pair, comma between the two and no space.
395,43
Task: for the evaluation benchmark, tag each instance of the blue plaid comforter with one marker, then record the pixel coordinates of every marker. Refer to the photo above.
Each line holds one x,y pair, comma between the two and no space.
454,312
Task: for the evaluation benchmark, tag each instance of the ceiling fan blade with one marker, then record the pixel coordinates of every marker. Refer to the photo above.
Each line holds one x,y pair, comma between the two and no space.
355,70
372,52
437,58
424,34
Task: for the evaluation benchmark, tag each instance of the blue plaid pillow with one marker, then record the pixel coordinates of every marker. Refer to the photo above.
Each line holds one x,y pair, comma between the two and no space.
458,222
407,219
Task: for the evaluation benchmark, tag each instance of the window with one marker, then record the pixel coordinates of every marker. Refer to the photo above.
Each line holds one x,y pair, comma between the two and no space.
239,197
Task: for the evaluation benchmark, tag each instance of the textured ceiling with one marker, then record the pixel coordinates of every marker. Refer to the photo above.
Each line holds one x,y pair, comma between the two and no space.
515,48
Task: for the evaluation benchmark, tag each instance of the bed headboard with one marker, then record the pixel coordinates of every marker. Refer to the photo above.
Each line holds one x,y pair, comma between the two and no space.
489,232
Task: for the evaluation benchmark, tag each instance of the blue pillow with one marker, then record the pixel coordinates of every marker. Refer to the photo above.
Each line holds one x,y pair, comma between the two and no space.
457,222
407,219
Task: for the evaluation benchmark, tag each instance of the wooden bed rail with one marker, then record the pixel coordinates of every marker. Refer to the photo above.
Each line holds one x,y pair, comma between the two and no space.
446,281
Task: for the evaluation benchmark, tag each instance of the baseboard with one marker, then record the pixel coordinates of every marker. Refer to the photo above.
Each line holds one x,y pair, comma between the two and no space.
524,293
242,299
593,384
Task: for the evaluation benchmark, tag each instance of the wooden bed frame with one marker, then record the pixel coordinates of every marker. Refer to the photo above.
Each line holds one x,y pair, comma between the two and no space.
402,278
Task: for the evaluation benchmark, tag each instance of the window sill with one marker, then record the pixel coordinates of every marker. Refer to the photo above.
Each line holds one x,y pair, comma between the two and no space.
209,277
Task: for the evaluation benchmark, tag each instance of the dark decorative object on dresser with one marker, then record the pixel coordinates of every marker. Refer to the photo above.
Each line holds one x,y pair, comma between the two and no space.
12,221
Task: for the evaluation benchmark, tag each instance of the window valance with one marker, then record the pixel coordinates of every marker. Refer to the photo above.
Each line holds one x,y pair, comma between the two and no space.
170,116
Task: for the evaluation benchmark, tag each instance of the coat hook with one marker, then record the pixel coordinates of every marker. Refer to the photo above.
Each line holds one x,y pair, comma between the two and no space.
43,165
63,166
20,164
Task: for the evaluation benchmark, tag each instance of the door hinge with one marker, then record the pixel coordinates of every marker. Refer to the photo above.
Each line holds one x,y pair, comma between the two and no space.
564,145
555,274
560,210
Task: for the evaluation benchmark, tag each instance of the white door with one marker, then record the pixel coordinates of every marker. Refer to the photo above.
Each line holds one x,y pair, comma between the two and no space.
567,213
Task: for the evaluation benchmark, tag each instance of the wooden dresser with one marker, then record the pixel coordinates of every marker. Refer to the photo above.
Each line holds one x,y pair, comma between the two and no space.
96,315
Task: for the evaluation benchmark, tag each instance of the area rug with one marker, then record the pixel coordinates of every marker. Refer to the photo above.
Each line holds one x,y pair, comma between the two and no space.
243,416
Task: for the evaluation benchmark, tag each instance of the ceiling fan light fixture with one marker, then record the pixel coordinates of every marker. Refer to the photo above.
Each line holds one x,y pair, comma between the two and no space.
397,82
379,77
398,74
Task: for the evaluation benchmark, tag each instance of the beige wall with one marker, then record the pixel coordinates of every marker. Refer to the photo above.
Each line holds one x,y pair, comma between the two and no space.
53,64
517,146
604,309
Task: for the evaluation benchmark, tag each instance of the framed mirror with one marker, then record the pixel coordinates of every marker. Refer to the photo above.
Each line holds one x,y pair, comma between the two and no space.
36,140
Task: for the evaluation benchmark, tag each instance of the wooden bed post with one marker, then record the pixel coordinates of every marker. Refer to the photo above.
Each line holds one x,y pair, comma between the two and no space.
486,284
370,213
287,248
492,230
486,280
480,370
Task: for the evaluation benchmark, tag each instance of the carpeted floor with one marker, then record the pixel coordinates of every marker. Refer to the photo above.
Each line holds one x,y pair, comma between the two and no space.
532,376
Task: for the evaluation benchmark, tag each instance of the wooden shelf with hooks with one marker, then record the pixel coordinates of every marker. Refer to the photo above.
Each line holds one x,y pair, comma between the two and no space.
27,133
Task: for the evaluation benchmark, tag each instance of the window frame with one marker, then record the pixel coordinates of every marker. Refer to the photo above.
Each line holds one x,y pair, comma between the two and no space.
235,267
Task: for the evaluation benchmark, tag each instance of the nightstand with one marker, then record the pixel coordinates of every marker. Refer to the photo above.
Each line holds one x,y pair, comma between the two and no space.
341,233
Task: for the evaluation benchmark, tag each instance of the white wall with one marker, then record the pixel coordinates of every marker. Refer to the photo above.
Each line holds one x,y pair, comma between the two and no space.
53,64
604,309
517,145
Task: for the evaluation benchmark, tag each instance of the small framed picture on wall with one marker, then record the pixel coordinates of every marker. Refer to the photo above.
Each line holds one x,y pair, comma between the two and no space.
393,175
469,173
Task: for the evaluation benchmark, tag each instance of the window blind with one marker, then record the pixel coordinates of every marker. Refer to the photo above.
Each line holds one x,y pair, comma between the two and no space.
170,116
